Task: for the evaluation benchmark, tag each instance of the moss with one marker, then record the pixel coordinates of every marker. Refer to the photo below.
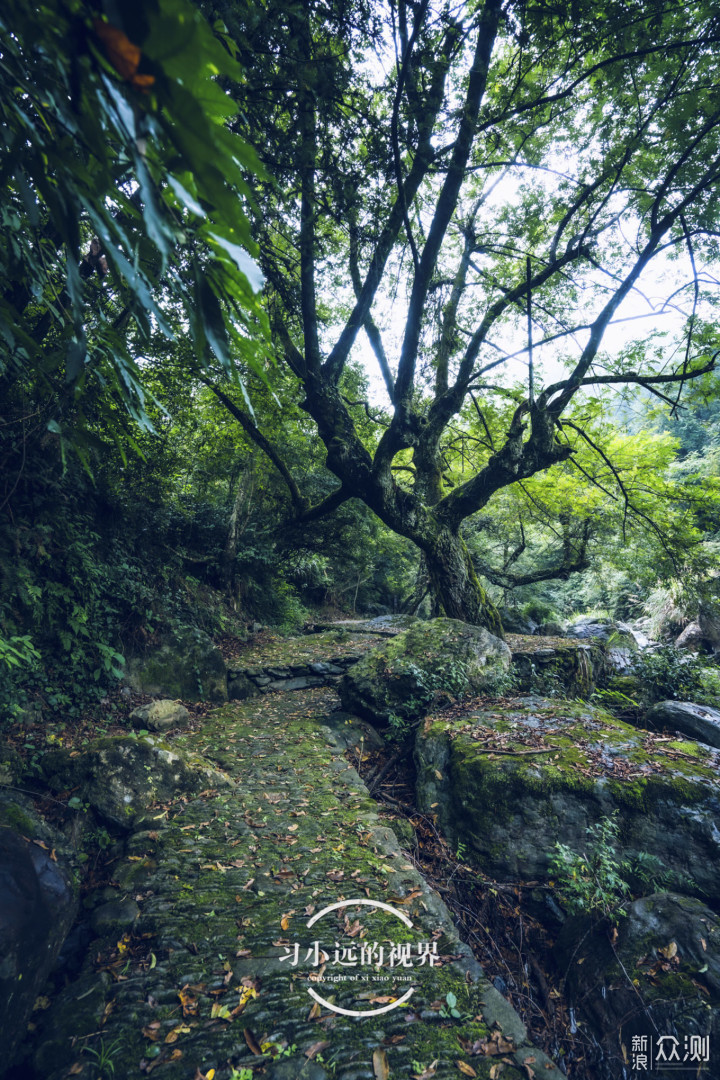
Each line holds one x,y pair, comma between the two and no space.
691,748
14,817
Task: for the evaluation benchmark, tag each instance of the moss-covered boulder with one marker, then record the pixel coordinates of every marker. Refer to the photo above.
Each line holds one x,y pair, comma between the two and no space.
556,665
660,977
510,780
122,777
696,721
185,664
401,677
37,906
160,716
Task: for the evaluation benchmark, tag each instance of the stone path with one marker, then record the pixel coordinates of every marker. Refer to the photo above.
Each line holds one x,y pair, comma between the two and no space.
218,971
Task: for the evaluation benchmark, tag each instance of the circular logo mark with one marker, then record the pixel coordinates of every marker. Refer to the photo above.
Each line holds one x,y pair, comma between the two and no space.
365,903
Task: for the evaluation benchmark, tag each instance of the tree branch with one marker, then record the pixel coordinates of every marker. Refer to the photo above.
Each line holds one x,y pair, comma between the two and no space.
250,428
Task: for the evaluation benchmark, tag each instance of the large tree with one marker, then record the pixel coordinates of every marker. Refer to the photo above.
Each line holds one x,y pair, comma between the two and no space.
455,182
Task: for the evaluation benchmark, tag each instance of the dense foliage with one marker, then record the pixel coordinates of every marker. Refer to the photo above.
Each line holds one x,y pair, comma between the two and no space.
204,208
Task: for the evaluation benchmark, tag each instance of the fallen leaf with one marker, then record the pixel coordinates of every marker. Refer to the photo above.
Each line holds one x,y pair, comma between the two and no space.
174,1035
405,899
188,1001
380,1065
314,1012
427,1073
253,1045
219,1012
466,1070
315,1048
669,951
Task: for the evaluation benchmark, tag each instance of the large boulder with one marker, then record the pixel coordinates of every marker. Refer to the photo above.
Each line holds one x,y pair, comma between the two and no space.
691,638
509,780
699,722
122,777
618,638
185,664
401,677
37,908
709,622
660,977
514,622
562,666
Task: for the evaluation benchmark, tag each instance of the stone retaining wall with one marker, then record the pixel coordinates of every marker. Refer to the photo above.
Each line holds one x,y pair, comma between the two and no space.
248,682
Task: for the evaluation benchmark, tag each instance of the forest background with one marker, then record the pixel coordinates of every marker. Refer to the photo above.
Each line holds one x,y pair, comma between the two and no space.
311,309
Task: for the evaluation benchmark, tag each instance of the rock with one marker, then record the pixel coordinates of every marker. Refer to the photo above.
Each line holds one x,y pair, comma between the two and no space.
323,667
160,716
400,677
37,909
122,777
514,622
302,683
692,637
569,667
508,781
709,622
618,638
116,915
384,625
670,945
697,721
614,634
11,766
76,1012
184,665
550,629
240,687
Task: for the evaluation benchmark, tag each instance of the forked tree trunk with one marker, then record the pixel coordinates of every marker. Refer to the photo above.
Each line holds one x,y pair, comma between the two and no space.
456,584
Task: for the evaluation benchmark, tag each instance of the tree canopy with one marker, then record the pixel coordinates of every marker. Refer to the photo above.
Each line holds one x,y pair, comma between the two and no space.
465,187
124,208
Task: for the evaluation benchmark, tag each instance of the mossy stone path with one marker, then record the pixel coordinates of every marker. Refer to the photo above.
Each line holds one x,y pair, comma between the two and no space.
226,883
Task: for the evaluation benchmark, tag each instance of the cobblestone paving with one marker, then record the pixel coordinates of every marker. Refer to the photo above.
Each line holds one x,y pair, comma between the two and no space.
218,971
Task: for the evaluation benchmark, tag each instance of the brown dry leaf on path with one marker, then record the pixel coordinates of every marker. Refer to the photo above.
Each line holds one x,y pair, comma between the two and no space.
380,1065
188,1001
398,900
252,1043
315,1048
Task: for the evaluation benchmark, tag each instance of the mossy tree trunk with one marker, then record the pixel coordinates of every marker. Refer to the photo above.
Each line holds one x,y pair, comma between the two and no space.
456,584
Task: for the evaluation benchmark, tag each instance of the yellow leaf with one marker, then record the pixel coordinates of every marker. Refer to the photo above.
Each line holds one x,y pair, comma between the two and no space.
174,1035
669,951
466,1070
